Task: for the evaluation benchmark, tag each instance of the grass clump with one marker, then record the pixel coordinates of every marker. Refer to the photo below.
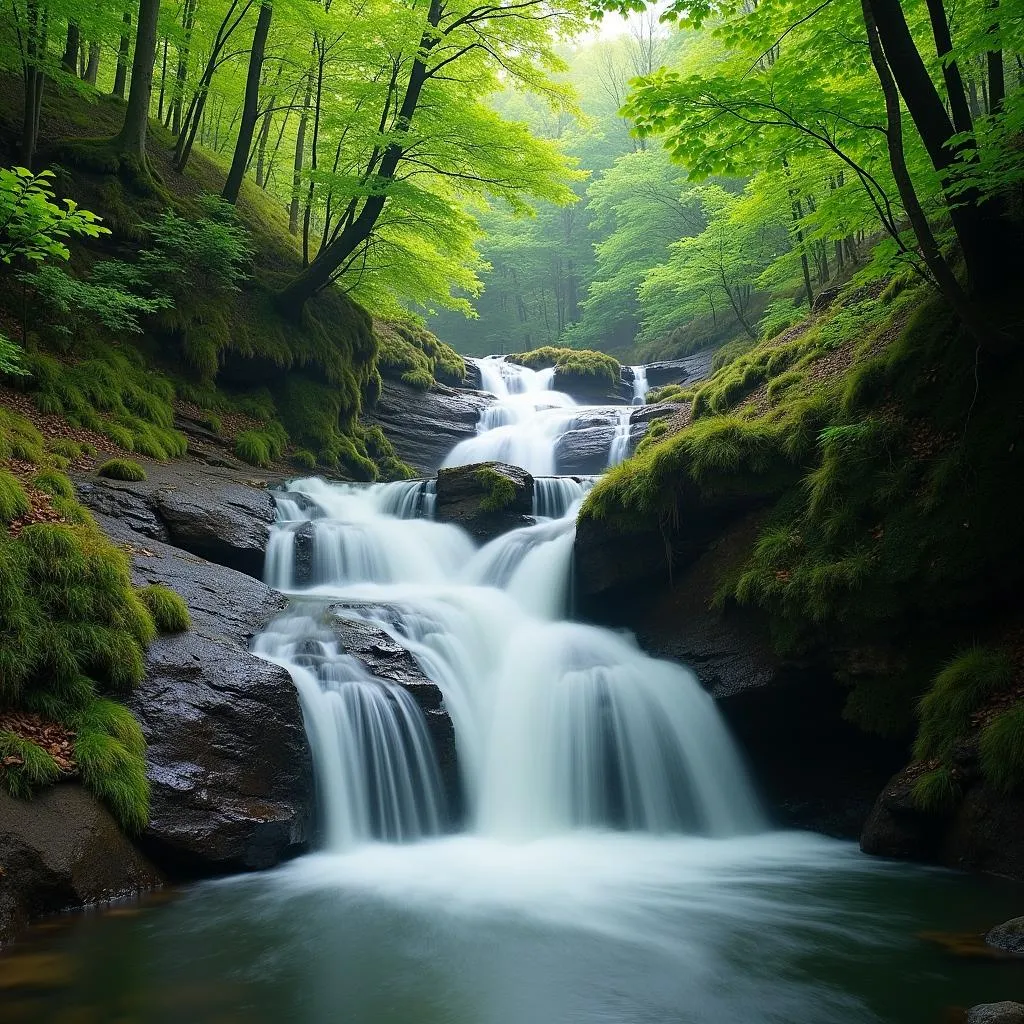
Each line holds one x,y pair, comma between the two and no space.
936,791
303,459
14,501
122,469
169,611
257,447
1002,750
958,691
24,765
500,490
56,484
66,447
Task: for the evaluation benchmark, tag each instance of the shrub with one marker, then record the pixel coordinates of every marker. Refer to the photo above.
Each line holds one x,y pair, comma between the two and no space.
958,691
936,791
169,611
14,501
1002,750
122,469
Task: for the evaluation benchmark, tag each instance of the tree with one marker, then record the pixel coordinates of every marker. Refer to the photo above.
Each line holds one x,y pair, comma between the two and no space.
131,140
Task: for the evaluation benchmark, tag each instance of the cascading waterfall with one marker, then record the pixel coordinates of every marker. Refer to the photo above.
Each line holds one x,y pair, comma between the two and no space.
619,450
640,387
559,725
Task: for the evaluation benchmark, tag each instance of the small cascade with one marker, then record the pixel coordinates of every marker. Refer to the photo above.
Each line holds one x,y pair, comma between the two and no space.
640,387
619,450
376,771
553,496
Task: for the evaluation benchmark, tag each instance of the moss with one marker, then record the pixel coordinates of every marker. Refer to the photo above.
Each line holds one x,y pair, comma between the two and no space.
958,691
122,469
303,459
24,765
658,429
1002,750
730,352
411,353
936,791
19,439
14,501
582,364
169,611
778,386
673,393
500,491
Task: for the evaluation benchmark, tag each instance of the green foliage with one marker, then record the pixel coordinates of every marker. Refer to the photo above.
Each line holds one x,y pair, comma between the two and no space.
24,766
303,459
19,439
936,791
66,447
14,501
417,356
778,386
169,611
1002,750
56,484
500,490
254,447
958,691
730,352
113,769
582,364
12,358
33,228
122,469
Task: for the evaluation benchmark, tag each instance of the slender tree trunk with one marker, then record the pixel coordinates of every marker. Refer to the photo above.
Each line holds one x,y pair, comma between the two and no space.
163,83
123,50
69,62
132,138
250,106
92,68
181,75
994,65
950,69
34,79
300,156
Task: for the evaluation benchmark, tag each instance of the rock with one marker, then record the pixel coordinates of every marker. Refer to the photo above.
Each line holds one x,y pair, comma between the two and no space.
228,760
1006,1012
824,299
896,828
464,491
63,849
689,370
645,415
387,660
216,513
304,540
1008,936
590,390
424,426
584,450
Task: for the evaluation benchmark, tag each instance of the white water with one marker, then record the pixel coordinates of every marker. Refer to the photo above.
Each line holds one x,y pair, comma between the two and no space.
640,387
559,725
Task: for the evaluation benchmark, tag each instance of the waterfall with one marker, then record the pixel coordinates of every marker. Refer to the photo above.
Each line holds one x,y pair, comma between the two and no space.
558,725
620,439
640,387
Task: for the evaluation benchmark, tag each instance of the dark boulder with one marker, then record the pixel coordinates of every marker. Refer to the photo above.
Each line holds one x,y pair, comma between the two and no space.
593,389
214,512
61,850
1006,1012
1008,936
228,761
824,299
424,426
387,660
584,450
688,370
486,498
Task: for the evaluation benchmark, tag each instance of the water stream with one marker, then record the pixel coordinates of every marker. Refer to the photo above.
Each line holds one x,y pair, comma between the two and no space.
613,865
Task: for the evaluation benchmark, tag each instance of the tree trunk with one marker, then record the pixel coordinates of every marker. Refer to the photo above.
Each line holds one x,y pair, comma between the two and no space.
123,50
994,65
132,138
950,70
34,81
92,69
250,107
163,83
178,98
979,228
300,156
322,270
69,62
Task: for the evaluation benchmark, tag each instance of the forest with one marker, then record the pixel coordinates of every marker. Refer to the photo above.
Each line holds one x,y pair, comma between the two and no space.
530,488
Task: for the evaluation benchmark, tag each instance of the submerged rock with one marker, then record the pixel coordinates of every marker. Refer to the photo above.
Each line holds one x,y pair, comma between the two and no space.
424,426
227,758
1008,936
1006,1012
63,849
487,498
386,659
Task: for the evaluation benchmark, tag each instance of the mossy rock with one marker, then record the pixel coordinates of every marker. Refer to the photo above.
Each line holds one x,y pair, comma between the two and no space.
487,499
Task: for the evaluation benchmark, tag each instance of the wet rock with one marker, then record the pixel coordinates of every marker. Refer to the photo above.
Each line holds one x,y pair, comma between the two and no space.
1008,936
60,850
645,415
688,370
304,539
584,450
1006,1012
386,659
216,513
227,758
590,390
424,426
475,499
896,828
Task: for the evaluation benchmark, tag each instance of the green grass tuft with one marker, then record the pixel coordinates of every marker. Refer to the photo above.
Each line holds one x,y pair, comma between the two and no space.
936,792
122,469
1002,750
56,484
24,765
115,773
14,501
169,611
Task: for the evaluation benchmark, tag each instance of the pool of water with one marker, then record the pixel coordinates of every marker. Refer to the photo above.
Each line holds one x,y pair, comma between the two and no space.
588,928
